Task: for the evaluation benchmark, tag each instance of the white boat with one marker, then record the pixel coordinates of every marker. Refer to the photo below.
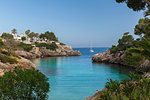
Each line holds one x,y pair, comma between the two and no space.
91,50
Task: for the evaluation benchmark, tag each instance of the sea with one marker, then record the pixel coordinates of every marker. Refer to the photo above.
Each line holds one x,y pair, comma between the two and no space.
76,77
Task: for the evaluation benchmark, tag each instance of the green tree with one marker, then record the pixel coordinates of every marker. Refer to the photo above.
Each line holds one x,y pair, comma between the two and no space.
36,35
7,36
14,31
27,32
125,42
49,36
133,88
24,84
23,38
137,5
31,35
142,28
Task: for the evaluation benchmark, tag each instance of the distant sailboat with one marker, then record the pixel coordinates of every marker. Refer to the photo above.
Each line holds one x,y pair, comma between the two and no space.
91,50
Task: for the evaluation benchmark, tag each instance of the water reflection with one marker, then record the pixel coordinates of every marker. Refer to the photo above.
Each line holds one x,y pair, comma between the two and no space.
77,77
111,67
49,66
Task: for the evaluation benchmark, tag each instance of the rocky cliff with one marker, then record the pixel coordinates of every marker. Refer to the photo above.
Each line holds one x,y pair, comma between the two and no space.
24,63
117,58
37,52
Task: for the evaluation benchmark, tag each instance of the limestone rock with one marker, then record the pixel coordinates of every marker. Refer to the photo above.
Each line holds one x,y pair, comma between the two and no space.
144,67
37,52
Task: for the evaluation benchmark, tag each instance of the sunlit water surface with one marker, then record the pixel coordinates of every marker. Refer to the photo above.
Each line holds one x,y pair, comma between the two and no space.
75,78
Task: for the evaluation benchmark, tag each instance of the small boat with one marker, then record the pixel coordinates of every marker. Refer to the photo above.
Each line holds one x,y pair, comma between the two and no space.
91,50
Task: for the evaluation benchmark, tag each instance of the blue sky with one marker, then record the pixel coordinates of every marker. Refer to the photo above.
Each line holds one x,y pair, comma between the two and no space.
75,22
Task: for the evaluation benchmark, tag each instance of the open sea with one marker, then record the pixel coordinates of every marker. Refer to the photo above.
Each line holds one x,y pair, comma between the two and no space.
75,78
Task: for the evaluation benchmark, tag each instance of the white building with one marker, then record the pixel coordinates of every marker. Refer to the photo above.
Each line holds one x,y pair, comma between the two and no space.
28,40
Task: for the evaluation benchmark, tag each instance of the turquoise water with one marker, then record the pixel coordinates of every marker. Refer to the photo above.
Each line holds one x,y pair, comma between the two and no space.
75,78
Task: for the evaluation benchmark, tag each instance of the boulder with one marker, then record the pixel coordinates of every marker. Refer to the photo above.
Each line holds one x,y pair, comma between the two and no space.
144,67
106,57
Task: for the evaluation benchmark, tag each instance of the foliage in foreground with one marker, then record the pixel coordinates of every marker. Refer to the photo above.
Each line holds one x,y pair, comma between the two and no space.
27,84
134,88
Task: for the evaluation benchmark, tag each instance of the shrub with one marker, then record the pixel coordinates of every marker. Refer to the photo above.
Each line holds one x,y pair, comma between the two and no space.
133,88
51,46
23,38
24,84
62,44
4,52
26,47
7,59
7,36
113,49
1,42
133,56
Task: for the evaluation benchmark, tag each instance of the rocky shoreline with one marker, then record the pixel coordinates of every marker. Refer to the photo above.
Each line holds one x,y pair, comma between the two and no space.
24,63
42,52
23,57
117,58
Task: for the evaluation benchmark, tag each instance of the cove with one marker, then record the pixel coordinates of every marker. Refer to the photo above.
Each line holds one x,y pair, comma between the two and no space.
75,78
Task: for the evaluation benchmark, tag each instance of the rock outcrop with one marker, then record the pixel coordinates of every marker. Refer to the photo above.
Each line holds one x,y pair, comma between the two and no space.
117,58
144,67
24,63
37,52
95,96
106,57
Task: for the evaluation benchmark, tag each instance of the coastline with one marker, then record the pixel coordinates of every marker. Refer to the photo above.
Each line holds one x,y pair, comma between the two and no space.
36,52
117,58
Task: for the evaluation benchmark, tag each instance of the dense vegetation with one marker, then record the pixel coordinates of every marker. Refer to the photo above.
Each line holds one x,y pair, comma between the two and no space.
7,36
23,38
137,5
49,36
51,46
136,50
5,56
26,47
23,84
133,88
7,59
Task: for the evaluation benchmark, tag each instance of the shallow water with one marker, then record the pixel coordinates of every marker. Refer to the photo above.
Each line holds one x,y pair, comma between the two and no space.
75,78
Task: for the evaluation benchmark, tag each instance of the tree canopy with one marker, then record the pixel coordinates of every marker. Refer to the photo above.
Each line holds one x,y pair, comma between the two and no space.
14,31
7,36
24,84
143,28
23,38
27,32
49,36
137,5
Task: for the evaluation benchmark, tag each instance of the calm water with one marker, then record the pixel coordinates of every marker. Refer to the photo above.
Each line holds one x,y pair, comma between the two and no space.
75,78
